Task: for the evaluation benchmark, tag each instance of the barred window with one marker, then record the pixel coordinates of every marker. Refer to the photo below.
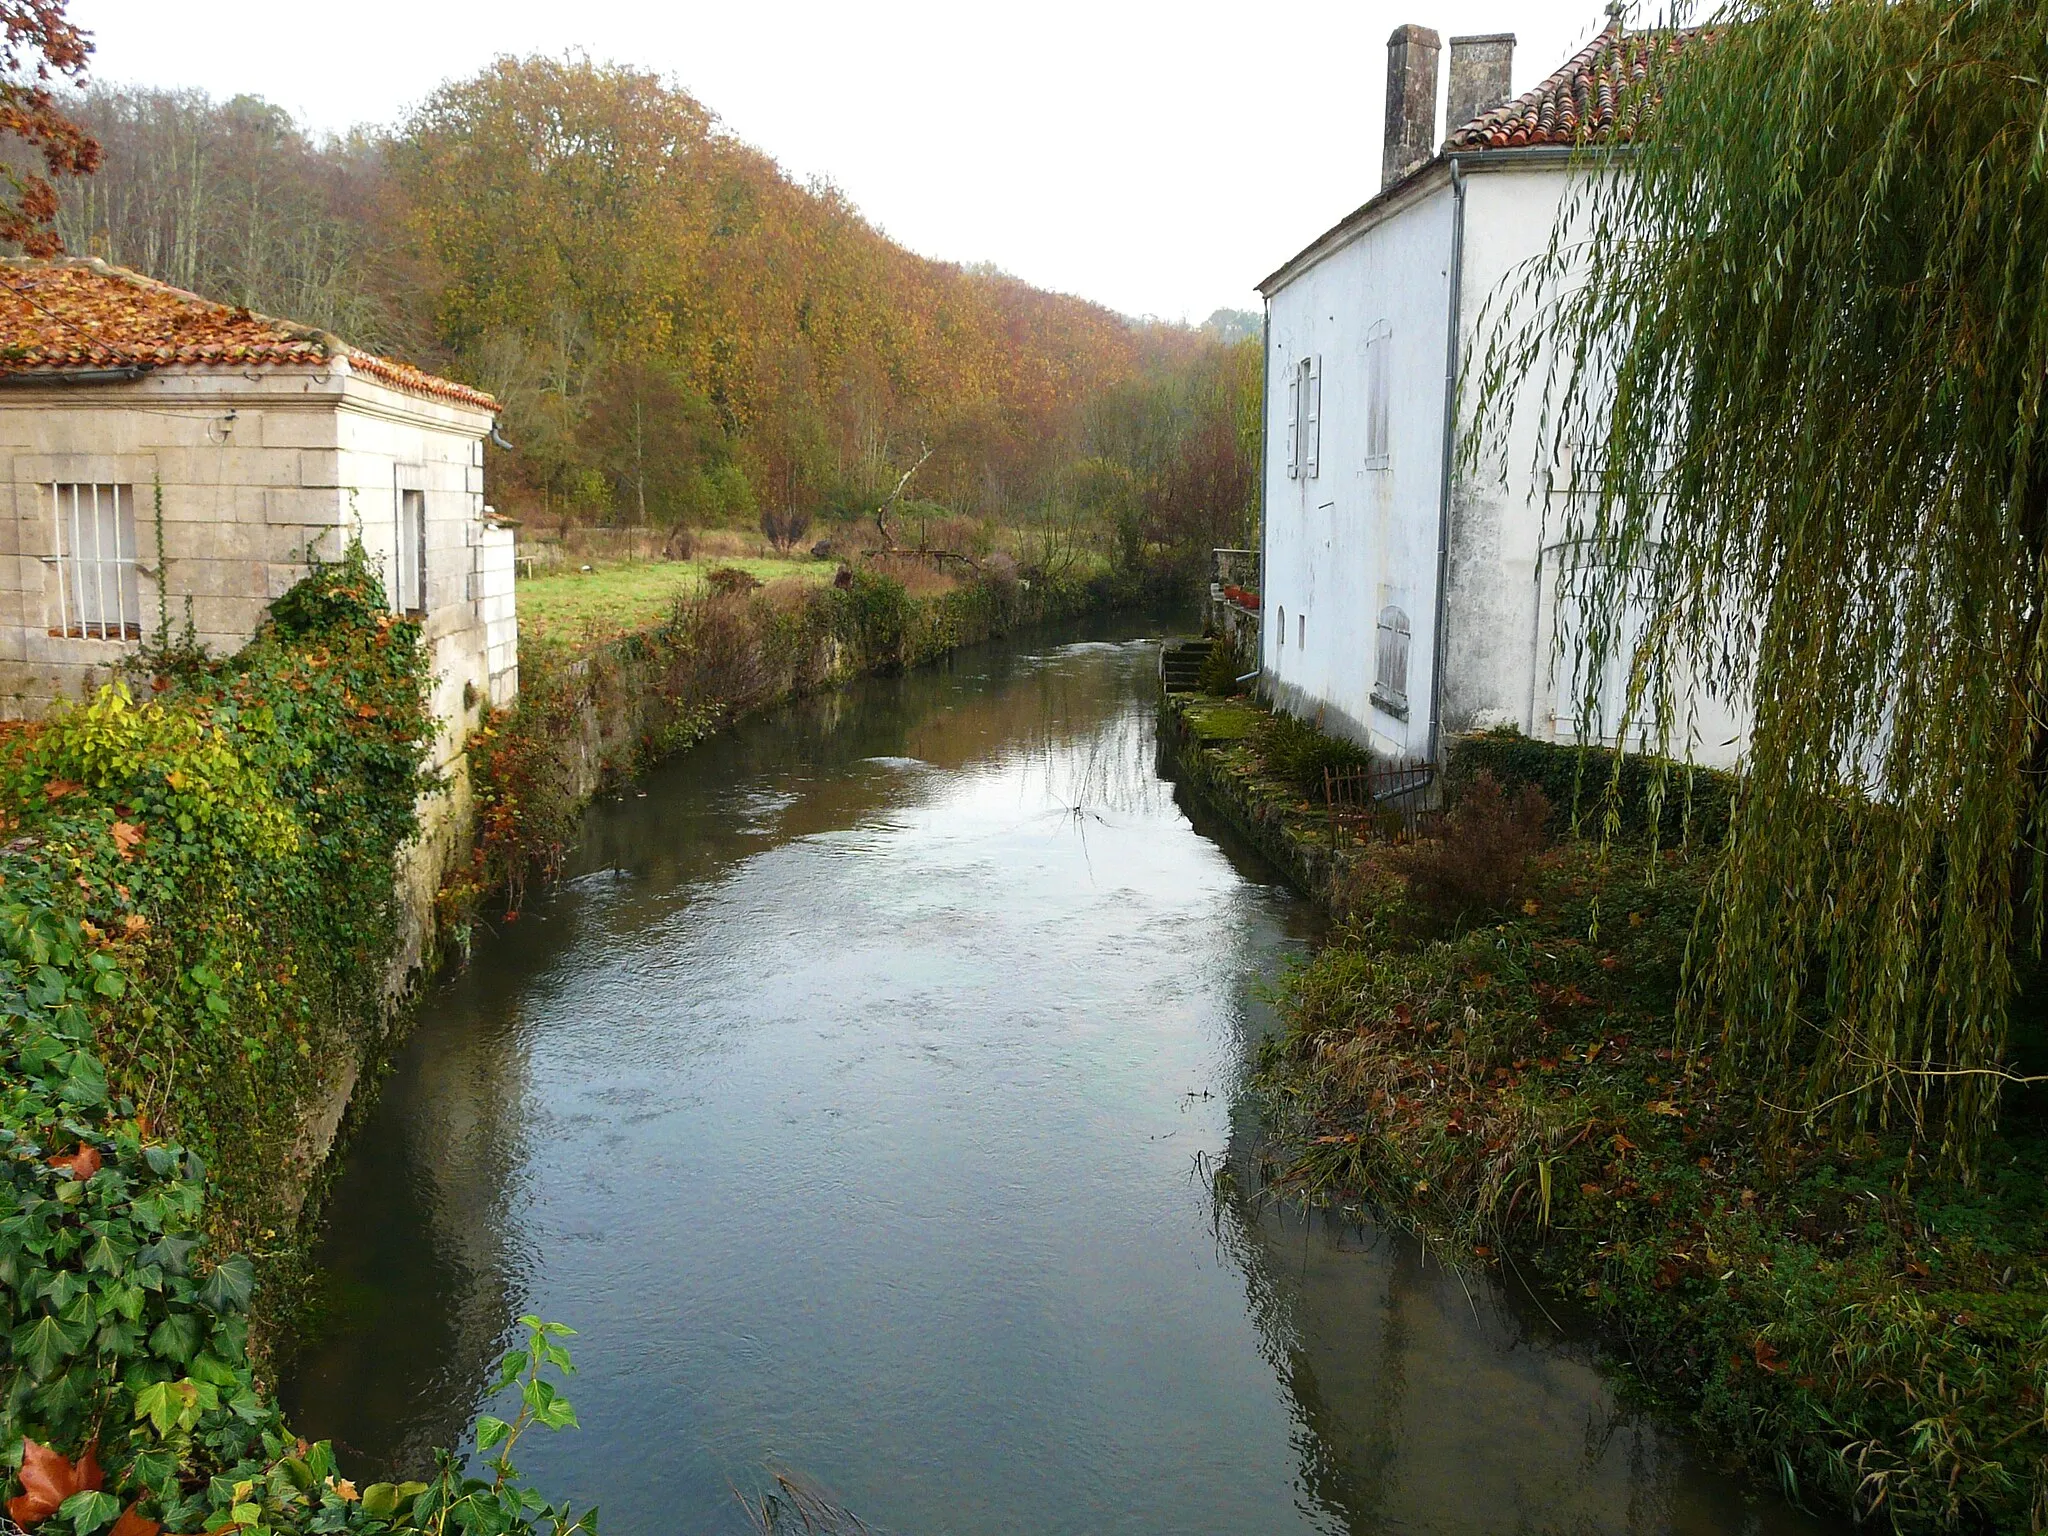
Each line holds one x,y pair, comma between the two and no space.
95,559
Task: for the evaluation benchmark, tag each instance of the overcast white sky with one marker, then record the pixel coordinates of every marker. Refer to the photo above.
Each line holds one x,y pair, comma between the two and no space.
1159,158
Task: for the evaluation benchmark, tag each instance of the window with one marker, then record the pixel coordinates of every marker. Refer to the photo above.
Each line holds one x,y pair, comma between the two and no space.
409,581
1305,419
1301,632
1390,663
1593,669
1379,368
1283,629
95,560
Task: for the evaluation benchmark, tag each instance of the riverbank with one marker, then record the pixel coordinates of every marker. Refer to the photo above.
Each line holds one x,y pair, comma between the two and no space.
1485,1053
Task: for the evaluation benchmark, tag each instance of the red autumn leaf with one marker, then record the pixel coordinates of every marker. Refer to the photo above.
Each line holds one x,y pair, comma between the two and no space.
57,789
81,1165
133,1524
1767,1356
127,838
47,1479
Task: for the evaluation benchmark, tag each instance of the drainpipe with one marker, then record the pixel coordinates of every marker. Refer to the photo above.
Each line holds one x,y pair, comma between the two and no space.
1443,520
1265,468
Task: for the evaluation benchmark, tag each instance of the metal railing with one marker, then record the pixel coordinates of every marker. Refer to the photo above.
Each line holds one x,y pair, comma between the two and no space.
1385,803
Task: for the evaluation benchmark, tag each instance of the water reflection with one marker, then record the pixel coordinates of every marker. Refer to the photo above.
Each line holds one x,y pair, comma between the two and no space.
848,1098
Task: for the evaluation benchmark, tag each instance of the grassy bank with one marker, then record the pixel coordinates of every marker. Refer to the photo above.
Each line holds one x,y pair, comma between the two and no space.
1486,1052
579,608
196,914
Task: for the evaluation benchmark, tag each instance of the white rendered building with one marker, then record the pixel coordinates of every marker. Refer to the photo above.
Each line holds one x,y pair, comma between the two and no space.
1402,602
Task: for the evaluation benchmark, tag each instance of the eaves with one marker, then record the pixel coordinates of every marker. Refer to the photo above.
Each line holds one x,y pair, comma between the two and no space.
1418,184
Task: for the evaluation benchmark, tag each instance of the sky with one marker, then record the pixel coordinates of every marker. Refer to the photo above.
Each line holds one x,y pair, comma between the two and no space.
1156,158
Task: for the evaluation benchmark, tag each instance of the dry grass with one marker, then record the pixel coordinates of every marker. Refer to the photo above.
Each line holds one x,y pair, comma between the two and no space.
921,578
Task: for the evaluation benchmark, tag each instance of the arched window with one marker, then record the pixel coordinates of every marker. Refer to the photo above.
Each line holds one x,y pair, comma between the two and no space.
1390,663
1283,628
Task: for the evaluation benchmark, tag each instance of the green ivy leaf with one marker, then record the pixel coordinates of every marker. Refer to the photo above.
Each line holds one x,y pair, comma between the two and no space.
490,1430
160,1403
176,1337
85,1081
87,1512
230,1286
45,1344
380,1500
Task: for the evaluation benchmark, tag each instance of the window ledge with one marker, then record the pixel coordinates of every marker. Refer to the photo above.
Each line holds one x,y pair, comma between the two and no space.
1395,704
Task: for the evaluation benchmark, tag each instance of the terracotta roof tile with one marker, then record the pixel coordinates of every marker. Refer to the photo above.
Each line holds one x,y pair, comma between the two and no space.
1599,96
76,313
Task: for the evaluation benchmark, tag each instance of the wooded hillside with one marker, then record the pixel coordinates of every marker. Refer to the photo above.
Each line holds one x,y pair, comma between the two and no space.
681,333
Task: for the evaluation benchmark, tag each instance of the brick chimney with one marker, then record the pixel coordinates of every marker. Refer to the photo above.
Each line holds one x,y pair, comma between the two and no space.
1411,101
1482,71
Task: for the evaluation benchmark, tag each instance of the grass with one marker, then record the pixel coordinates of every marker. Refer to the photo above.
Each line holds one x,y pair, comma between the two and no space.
1219,720
580,606
1515,1087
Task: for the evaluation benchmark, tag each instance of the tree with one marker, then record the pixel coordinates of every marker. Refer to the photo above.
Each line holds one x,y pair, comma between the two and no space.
1802,325
37,44
232,200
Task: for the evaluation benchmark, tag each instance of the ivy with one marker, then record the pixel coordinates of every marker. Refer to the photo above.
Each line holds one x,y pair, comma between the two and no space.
196,915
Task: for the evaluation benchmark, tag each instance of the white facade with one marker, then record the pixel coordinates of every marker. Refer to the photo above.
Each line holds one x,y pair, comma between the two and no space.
1383,566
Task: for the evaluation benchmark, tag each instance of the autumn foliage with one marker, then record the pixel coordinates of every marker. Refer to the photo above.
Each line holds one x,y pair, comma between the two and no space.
681,334
38,43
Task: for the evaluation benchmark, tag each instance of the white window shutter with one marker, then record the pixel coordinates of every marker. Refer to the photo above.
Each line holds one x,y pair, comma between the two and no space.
1293,424
1312,431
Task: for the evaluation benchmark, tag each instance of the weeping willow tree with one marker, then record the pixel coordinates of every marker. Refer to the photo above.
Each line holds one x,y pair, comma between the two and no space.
1788,346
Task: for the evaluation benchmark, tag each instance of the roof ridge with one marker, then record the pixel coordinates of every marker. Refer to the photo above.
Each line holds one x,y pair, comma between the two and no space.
1550,112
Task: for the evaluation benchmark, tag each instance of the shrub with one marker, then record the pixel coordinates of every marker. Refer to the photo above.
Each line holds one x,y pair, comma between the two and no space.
1297,752
1588,785
1480,864
730,581
785,526
1221,669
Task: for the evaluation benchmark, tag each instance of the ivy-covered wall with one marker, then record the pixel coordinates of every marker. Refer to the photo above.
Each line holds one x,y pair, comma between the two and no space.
196,903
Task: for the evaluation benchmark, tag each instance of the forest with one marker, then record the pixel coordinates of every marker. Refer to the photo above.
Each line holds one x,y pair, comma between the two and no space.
684,336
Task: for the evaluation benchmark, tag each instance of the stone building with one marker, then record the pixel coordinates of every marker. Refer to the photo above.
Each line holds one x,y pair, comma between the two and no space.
168,457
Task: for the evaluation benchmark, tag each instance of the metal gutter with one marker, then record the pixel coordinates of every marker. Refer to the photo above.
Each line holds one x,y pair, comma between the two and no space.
76,376
1265,466
1443,523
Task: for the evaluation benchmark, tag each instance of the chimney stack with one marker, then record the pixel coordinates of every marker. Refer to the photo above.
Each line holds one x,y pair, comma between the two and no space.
1482,72
1411,101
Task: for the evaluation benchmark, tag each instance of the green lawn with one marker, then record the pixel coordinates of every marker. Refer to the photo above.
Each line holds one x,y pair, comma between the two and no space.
590,605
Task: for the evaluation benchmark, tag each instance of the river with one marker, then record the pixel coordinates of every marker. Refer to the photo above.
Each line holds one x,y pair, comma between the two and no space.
854,1097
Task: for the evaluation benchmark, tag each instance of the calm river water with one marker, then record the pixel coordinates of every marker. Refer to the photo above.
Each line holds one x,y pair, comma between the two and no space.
851,1099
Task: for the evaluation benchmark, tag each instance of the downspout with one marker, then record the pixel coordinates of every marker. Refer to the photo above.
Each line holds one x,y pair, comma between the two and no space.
1443,520
1265,467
